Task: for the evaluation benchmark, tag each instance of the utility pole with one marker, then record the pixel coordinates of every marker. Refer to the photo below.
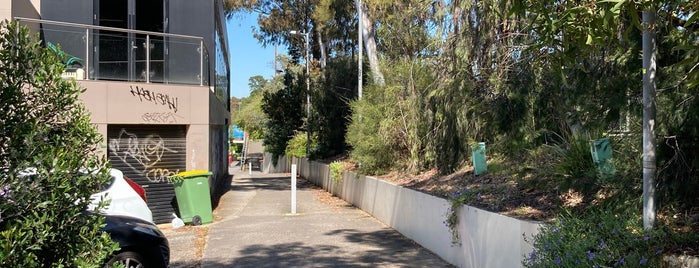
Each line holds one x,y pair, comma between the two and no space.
361,50
308,101
649,102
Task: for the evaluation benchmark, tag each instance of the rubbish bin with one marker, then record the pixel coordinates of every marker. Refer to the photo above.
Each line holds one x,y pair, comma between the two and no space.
480,165
601,150
193,196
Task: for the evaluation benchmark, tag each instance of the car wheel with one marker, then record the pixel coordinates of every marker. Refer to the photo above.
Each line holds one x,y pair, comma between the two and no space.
128,259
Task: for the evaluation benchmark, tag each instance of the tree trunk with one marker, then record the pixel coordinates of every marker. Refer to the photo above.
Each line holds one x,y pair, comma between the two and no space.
370,45
323,53
649,144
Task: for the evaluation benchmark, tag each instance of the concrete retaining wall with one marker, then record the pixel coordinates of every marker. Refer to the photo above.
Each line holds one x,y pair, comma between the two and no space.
487,239
283,164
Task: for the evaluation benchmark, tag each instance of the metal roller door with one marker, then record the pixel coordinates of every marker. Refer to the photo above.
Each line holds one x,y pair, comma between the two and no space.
148,154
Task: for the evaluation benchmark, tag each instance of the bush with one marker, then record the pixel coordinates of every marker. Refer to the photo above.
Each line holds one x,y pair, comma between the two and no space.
297,146
371,146
337,168
595,239
43,222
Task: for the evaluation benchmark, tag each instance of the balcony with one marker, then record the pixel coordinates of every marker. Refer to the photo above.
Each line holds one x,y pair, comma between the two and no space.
105,53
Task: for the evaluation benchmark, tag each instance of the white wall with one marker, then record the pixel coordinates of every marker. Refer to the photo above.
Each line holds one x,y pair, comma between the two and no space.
487,239
283,164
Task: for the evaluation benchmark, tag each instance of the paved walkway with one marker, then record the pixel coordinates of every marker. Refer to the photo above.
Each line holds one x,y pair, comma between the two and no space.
253,227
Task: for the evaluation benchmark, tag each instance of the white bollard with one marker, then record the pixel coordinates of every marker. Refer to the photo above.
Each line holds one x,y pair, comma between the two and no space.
293,189
250,168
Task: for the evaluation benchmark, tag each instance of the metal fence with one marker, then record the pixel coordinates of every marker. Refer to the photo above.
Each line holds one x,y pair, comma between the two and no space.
106,53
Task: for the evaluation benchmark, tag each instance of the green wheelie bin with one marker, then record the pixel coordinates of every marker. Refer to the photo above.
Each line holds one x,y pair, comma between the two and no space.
193,196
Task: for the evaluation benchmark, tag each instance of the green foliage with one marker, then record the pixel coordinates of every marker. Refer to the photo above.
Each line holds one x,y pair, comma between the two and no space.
396,117
297,145
456,202
597,238
257,84
331,108
248,115
285,114
43,125
575,166
369,133
337,168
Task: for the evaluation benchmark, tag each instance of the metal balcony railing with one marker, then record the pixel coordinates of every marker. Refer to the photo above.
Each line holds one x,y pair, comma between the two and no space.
106,53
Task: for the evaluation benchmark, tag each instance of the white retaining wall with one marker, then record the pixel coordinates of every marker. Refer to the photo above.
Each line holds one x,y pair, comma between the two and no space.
487,239
283,164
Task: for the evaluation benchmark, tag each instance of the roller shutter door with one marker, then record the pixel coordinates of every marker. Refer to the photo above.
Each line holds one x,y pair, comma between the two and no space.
148,154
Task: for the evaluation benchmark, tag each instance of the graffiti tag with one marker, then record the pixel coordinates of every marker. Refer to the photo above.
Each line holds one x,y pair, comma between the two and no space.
155,97
168,117
142,154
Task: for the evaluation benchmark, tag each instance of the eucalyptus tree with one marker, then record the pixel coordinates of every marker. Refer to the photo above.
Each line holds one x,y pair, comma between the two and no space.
368,33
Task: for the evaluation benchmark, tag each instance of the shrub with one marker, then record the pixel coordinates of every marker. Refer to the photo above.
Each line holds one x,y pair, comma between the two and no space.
337,168
575,167
595,239
370,134
297,146
43,222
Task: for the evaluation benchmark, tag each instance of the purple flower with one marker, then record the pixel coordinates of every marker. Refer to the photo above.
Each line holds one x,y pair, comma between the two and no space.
660,251
555,230
4,192
620,262
559,260
602,244
645,238
590,255
532,255
613,231
643,261
479,196
46,138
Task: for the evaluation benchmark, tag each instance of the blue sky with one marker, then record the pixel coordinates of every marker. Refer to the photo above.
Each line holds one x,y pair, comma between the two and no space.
248,57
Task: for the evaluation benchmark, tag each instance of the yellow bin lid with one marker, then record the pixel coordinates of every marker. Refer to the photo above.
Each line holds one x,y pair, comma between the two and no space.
193,173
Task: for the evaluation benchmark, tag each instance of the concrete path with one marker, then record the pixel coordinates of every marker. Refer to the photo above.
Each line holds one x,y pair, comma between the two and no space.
253,227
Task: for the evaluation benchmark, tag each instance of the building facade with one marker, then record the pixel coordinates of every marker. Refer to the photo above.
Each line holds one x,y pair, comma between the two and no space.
157,80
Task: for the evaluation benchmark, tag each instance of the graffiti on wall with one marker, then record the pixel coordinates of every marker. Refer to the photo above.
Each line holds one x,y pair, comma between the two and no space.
143,154
145,95
168,117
